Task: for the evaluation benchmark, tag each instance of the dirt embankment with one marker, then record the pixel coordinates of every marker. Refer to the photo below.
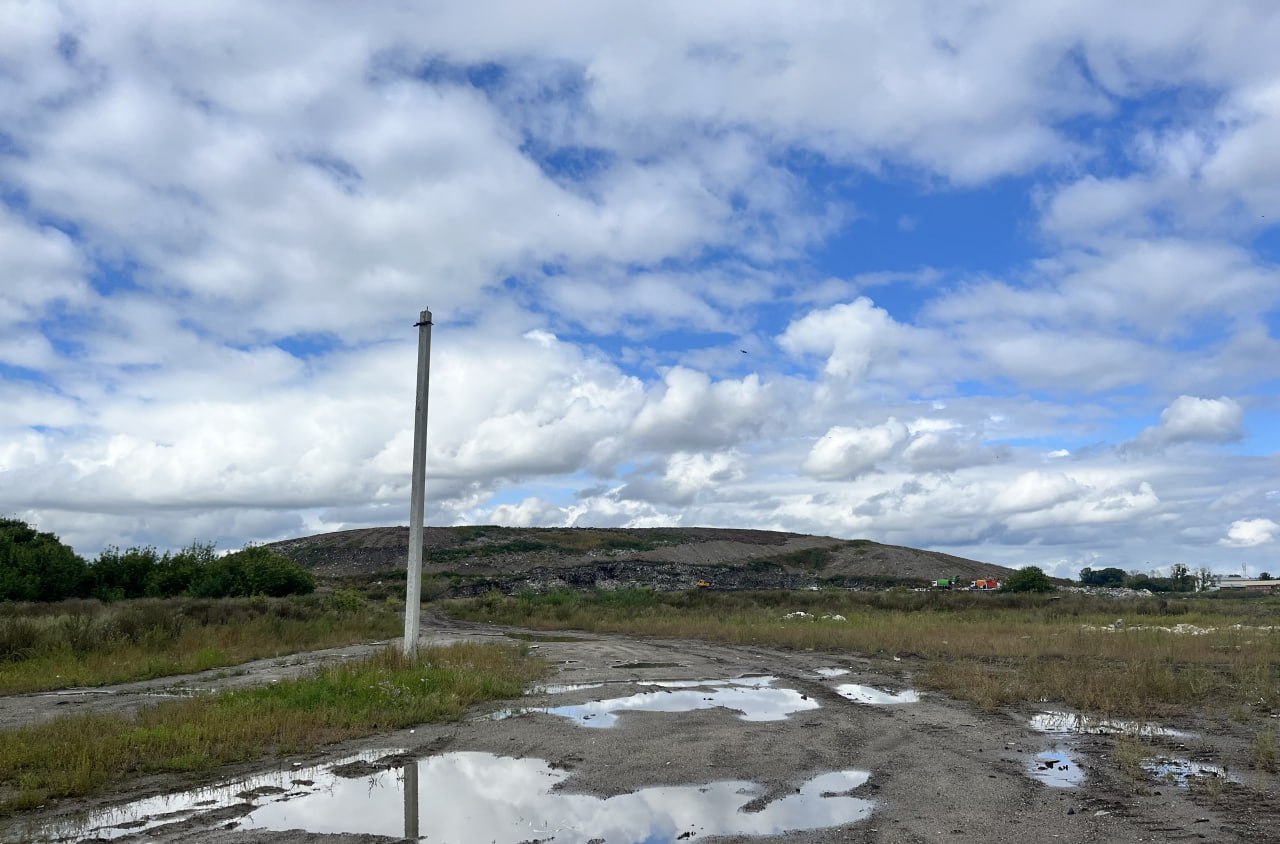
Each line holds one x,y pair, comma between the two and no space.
471,560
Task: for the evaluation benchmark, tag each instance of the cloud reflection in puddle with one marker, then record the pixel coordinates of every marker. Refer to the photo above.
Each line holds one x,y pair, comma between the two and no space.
467,797
753,697
876,697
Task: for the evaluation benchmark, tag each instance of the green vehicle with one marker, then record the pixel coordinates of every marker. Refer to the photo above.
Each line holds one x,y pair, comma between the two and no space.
946,582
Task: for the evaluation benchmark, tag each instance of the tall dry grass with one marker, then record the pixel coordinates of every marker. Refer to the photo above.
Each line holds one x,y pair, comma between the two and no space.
994,650
88,643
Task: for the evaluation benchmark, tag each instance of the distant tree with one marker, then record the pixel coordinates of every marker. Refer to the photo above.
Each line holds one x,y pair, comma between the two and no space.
1029,579
37,566
1204,579
1148,582
1109,576
1183,579
1264,576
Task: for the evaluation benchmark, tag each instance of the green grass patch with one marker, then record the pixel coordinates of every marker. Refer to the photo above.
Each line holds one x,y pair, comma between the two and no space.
994,650
814,559
88,643
78,755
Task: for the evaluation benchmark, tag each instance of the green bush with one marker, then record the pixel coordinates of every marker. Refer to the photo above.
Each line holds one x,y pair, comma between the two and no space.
348,601
1029,579
253,571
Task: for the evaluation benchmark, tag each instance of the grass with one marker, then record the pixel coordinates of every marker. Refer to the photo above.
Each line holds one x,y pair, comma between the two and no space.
79,755
1129,754
88,643
1264,751
994,650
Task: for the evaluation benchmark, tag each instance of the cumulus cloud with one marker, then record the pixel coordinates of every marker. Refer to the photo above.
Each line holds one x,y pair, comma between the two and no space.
217,220
852,337
1192,419
692,411
1247,533
845,453
934,451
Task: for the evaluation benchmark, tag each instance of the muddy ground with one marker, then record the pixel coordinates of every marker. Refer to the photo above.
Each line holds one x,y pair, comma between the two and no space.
940,770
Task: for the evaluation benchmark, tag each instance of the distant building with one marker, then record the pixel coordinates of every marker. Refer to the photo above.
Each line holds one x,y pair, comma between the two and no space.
1235,581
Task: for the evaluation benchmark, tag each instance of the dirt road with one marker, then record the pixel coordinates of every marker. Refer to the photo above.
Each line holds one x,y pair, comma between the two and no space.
808,757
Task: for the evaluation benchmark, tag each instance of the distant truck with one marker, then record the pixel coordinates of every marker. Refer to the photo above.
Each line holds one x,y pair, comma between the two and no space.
985,584
946,583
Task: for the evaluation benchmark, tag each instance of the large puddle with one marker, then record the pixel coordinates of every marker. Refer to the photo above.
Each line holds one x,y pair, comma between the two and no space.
754,698
876,697
468,797
1070,722
1056,768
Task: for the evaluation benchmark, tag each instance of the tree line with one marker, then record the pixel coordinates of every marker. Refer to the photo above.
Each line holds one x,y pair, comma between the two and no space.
1180,579
38,566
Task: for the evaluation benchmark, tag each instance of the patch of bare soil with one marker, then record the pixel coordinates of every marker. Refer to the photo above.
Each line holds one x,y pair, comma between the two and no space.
939,770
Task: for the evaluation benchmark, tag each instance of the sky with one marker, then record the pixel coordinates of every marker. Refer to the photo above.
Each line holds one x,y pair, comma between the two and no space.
1000,279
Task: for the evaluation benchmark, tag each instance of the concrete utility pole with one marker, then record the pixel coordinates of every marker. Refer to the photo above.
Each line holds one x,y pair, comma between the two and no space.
417,496
411,800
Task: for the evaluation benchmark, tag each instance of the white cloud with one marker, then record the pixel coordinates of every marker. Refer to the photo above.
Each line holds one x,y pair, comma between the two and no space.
1193,419
853,338
845,453
940,452
1036,491
689,474
692,411
219,219
1247,533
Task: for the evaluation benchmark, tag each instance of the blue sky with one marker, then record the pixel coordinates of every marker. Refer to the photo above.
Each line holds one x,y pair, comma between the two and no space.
1000,279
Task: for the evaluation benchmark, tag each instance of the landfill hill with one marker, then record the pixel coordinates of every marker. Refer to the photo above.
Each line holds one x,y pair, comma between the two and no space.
472,560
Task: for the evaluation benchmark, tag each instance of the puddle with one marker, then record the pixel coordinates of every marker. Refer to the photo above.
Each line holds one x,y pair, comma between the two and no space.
831,672
755,680
467,797
561,688
542,637
753,697
876,697
142,815
1069,722
1181,771
647,665
185,691
1056,769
